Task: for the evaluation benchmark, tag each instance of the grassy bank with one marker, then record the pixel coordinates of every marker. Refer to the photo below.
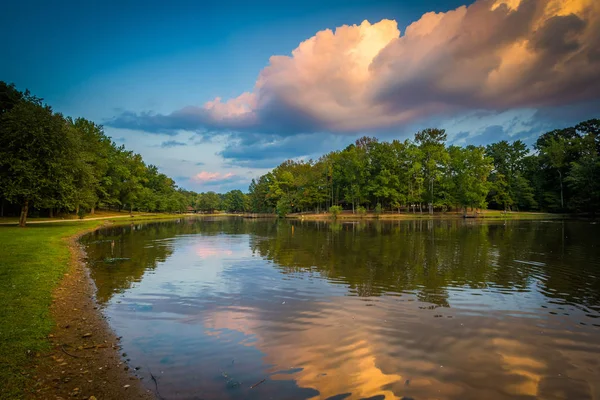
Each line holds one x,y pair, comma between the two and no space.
32,263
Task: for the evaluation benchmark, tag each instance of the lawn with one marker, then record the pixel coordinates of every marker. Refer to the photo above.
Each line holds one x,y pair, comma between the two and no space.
32,262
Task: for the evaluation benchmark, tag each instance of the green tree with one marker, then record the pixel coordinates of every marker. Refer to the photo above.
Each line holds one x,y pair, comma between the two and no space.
209,202
431,142
509,186
234,201
469,169
584,177
284,206
36,152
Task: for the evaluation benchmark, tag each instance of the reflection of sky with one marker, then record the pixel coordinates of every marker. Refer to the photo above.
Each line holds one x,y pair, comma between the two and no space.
196,266
214,319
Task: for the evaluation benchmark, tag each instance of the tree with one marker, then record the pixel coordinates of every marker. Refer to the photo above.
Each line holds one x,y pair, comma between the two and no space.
234,201
469,169
257,195
509,187
584,177
36,152
283,206
554,153
209,202
431,142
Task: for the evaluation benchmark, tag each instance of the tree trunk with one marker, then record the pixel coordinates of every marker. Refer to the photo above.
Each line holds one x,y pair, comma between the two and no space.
2,208
131,209
431,202
562,203
23,217
51,212
93,209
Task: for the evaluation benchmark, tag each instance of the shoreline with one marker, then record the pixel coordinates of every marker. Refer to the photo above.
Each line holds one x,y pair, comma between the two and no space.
486,215
84,359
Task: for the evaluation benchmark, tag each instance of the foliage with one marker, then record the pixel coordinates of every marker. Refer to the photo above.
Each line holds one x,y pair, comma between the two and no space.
235,201
378,209
49,162
360,210
208,202
283,207
335,211
426,174
52,162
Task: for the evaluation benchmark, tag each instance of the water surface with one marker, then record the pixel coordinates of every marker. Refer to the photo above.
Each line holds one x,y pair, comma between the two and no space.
403,309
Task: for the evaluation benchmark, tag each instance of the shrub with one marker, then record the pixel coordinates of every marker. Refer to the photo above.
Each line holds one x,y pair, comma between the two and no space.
378,209
335,211
360,210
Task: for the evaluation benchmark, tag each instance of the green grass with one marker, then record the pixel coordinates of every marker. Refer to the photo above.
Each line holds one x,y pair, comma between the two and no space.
32,263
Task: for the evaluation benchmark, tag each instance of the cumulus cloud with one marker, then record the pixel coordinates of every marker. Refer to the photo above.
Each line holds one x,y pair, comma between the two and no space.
204,177
493,55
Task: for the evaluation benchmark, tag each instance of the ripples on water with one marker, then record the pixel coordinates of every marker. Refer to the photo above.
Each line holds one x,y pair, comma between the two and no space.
413,309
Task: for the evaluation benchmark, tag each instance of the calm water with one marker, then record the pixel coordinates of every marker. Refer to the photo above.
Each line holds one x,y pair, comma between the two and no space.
407,309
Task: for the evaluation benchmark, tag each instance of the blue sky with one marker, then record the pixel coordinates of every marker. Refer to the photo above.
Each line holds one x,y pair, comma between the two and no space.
146,70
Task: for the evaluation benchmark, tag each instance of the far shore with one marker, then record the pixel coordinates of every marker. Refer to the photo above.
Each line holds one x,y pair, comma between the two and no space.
485,214
126,217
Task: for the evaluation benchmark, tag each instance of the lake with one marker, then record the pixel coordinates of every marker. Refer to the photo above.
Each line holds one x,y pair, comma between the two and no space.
233,308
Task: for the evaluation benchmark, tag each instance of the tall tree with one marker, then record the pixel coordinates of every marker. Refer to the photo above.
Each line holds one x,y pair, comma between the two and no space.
234,201
36,152
469,169
509,187
431,142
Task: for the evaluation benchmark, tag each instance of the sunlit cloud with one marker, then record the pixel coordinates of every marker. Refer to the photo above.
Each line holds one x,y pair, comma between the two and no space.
204,176
493,55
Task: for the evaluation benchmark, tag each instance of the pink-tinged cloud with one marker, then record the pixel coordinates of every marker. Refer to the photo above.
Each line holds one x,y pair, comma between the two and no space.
204,177
492,55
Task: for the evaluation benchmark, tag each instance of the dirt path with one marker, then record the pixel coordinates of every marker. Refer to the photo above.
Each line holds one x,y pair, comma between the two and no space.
85,360
50,221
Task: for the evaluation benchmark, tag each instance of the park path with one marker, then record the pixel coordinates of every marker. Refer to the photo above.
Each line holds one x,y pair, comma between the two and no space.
50,221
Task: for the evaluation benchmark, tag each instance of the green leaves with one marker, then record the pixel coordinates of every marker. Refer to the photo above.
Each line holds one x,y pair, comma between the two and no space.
49,161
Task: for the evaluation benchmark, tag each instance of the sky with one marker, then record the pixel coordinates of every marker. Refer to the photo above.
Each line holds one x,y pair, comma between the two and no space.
216,93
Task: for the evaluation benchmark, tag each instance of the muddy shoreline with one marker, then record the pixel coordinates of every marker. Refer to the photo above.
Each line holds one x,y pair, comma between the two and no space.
85,361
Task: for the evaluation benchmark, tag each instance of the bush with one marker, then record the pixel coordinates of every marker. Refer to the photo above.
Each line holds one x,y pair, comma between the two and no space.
81,213
378,209
360,210
335,211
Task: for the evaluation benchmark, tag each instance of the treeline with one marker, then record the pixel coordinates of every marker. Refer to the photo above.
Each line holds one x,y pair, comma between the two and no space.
56,163
52,163
560,174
